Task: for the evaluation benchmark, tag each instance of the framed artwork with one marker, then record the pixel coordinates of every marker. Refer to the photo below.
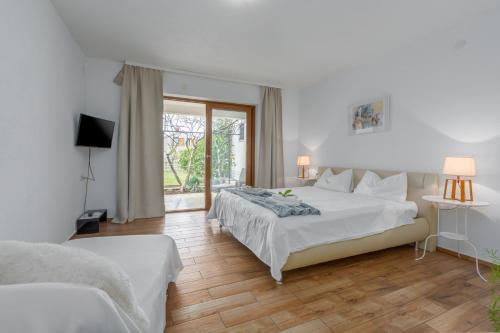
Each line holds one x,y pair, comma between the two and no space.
370,116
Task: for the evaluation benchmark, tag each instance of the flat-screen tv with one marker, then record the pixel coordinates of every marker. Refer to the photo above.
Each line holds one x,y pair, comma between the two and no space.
95,132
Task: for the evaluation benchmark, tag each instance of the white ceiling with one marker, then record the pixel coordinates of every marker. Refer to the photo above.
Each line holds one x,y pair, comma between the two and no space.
275,42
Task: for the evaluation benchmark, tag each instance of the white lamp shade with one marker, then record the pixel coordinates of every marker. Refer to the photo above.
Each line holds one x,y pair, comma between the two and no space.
459,166
303,160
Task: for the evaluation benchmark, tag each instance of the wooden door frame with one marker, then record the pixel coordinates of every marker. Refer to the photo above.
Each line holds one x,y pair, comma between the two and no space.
250,147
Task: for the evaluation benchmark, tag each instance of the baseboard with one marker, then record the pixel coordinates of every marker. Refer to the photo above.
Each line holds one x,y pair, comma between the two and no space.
189,210
463,256
71,236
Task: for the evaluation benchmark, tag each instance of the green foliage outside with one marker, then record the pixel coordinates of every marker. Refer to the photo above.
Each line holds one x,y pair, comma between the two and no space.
222,158
185,151
494,309
193,184
198,162
169,178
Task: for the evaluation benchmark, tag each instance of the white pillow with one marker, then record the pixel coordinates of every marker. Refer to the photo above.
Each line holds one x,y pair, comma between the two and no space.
391,188
341,182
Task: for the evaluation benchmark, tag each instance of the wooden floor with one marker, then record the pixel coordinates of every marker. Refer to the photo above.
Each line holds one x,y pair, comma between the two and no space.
225,288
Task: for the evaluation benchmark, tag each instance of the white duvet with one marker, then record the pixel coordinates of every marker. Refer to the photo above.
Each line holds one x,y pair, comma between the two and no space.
68,303
343,216
151,261
24,262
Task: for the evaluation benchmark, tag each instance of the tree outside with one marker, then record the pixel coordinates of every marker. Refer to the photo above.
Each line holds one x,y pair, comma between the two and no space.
184,149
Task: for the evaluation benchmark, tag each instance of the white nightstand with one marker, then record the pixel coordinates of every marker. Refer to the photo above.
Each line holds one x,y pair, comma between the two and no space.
299,182
454,204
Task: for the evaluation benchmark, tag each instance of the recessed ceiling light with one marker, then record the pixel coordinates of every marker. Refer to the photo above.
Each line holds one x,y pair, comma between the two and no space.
460,44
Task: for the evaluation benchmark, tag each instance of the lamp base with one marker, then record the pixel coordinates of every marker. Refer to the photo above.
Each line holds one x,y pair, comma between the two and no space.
302,172
461,183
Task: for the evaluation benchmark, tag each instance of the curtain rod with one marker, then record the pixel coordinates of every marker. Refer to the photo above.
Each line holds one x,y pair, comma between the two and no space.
205,76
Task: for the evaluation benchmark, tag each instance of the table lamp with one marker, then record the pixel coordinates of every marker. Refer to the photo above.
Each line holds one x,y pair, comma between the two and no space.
303,161
459,167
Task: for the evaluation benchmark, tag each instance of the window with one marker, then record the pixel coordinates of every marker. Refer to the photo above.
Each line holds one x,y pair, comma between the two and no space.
242,131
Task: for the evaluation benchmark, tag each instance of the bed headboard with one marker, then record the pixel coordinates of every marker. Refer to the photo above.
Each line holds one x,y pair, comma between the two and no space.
419,184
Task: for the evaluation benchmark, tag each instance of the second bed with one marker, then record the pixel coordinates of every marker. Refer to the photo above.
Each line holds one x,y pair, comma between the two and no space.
349,223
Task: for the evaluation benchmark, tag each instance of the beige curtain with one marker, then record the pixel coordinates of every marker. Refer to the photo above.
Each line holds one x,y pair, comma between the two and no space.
271,170
140,144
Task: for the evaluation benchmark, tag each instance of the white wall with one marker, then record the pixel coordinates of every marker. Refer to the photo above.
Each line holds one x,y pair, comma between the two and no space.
102,99
42,92
445,101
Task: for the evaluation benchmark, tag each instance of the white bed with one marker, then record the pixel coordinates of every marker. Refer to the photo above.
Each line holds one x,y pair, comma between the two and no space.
151,261
344,216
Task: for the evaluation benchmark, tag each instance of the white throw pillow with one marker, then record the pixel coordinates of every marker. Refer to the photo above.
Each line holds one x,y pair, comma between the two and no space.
392,188
341,182
22,262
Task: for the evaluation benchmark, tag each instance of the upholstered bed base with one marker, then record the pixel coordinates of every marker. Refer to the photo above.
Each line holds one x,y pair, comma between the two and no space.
394,237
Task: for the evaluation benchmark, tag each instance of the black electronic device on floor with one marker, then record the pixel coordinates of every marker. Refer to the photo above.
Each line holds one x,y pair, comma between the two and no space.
88,223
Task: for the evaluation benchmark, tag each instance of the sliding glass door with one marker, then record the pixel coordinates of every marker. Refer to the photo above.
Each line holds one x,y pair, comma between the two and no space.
231,149
192,177
184,133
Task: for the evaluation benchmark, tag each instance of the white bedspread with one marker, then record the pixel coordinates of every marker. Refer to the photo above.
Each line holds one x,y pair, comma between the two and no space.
343,216
25,262
151,262
60,308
